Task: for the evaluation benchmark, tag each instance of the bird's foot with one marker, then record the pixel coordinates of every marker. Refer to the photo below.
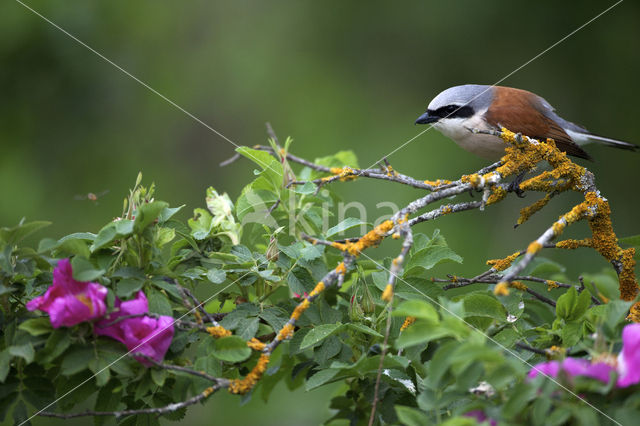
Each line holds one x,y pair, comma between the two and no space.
514,186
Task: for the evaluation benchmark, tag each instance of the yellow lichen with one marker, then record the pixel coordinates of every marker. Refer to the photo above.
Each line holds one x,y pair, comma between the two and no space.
208,391
256,344
436,183
286,332
551,284
474,179
446,209
218,331
502,264
395,235
317,289
501,289
527,212
387,293
634,313
302,306
242,386
534,247
497,194
573,244
519,285
370,239
407,322
341,268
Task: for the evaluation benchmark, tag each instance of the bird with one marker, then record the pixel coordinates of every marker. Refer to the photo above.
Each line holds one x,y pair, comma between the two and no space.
458,110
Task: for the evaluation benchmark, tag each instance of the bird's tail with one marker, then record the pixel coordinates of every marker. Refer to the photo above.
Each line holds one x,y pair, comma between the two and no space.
589,137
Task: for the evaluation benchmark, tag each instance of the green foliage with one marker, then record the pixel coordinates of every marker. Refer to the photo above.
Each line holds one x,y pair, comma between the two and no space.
246,266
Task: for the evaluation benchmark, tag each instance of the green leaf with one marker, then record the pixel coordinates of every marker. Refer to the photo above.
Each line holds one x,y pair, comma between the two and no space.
417,308
146,214
5,358
318,333
109,397
420,333
231,349
410,416
159,303
25,352
429,257
339,159
216,276
271,167
76,360
37,326
110,232
320,378
571,306
168,212
484,305
633,241
158,376
84,271
348,223
364,329
100,368
126,287
12,236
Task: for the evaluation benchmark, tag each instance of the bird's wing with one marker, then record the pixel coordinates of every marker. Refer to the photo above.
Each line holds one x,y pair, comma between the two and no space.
513,109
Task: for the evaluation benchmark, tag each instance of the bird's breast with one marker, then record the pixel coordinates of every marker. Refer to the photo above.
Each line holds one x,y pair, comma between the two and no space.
485,146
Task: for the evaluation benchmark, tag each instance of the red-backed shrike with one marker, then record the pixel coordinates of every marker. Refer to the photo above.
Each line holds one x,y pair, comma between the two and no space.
472,106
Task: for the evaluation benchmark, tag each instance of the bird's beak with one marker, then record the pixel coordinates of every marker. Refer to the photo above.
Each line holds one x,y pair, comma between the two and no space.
426,118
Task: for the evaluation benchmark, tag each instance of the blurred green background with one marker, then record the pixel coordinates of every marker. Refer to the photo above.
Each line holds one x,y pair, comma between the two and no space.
333,75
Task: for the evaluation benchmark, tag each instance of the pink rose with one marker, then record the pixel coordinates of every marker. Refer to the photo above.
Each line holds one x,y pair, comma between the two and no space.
144,335
627,365
69,302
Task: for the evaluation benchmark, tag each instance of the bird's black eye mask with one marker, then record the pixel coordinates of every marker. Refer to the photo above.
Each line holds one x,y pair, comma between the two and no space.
452,111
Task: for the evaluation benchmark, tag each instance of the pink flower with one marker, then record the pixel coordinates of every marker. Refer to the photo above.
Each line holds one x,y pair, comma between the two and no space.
629,358
69,302
480,417
144,335
627,365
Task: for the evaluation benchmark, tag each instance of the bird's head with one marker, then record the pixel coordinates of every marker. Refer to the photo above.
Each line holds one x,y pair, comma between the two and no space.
457,104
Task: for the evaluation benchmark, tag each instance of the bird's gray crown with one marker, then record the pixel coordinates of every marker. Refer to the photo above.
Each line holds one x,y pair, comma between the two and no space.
477,96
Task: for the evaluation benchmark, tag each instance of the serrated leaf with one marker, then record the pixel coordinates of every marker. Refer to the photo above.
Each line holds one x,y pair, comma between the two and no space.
231,349
318,333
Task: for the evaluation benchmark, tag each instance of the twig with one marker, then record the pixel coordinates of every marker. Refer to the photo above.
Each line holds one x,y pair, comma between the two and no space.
396,269
158,411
